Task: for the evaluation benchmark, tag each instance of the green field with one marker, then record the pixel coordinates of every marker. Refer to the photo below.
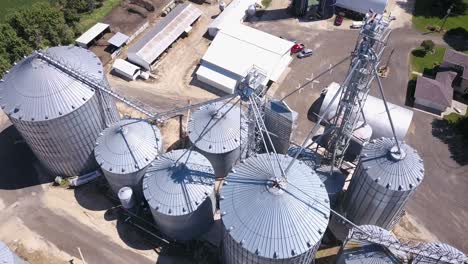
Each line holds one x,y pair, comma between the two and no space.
88,20
8,6
423,16
427,61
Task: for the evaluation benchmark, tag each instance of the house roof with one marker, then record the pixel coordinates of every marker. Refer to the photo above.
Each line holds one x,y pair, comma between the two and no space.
458,58
439,91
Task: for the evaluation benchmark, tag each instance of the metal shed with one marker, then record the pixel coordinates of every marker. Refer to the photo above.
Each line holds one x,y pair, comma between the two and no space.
59,116
384,180
7,256
363,6
166,31
124,151
217,131
96,31
267,219
118,40
179,188
126,69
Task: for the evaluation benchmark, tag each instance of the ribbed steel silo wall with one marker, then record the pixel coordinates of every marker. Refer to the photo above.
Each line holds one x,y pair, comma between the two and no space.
234,253
189,226
222,163
133,180
281,129
367,202
65,145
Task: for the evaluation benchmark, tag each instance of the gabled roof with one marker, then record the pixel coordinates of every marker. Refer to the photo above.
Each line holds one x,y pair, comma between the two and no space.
92,33
458,58
439,91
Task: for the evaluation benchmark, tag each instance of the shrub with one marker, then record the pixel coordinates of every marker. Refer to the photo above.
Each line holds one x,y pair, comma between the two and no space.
428,45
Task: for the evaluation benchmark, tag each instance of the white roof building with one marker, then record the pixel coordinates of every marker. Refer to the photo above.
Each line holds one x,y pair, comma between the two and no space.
162,35
363,6
126,69
118,40
91,34
234,13
236,49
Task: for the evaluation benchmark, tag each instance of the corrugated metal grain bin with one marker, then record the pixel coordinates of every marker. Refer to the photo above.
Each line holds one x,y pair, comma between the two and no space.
217,130
382,183
443,254
125,150
267,219
359,251
58,115
179,189
333,180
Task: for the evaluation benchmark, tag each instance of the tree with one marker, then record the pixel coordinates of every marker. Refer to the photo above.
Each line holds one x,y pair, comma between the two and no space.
41,25
428,45
4,64
14,47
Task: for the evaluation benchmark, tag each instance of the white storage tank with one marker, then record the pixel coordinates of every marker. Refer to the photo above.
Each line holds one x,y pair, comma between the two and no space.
179,188
442,254
7,256
125,195
217,130
269,219
382,183
58,115
124,151
356,250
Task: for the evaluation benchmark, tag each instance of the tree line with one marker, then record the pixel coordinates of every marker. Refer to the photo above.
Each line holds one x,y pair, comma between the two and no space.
39,26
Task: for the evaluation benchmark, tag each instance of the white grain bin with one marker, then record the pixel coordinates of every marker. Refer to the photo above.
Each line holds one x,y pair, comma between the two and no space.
217,130
382,183
125,150
269,219
57,114
356,250
179,188
7,256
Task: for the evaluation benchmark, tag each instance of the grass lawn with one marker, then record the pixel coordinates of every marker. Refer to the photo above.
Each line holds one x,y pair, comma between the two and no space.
88,20
8,6
423,16
454,118
426,62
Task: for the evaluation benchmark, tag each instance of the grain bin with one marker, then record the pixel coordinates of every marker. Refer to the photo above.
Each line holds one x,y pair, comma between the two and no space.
124,150
333,180
179,189
356,250
442,254
267,219
58,115
217,130
280,121
308,156
382,183
7,256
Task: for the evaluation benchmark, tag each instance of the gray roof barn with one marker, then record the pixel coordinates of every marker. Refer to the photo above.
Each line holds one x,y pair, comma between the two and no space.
438,91
166,31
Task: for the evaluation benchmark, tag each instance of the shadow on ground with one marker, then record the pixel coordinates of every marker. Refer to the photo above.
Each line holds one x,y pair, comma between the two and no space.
94,196
457,145
457,39
16,162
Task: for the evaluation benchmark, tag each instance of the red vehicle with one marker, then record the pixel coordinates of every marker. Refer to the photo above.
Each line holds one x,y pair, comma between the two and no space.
339,20
298,47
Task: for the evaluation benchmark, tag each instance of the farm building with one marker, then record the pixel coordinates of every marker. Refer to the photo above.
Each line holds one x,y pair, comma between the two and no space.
362,6
233,14
238,48
91,35
435,95
126,69
147,50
